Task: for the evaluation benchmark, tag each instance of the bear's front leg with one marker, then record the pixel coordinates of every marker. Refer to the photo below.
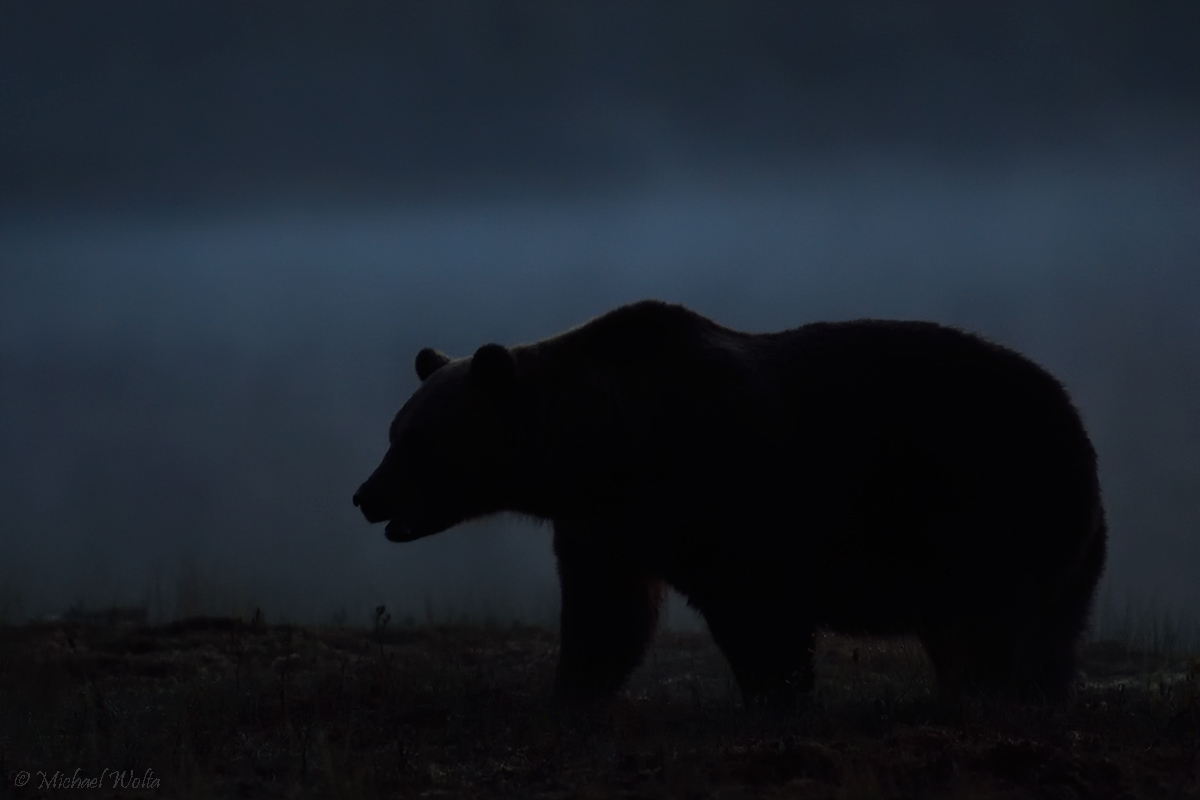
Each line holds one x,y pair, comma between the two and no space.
609,610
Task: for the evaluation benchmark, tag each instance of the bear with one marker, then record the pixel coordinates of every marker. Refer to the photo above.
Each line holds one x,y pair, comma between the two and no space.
867,477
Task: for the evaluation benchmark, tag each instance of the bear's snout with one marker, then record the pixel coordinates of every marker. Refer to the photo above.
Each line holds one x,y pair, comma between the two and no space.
372,508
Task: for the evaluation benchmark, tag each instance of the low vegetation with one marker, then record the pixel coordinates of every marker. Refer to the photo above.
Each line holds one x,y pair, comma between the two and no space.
225,707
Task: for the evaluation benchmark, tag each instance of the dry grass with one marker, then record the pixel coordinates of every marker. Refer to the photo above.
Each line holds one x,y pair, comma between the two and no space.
219,707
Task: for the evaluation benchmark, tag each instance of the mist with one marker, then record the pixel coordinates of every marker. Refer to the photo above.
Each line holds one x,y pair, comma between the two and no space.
206,329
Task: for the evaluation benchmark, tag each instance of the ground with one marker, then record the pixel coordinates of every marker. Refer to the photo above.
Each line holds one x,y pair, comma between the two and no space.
224,707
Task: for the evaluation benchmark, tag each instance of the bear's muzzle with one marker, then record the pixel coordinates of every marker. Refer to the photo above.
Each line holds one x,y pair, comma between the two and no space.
372,508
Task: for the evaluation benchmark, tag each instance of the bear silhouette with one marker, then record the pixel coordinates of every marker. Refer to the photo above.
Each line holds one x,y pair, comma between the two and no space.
875,477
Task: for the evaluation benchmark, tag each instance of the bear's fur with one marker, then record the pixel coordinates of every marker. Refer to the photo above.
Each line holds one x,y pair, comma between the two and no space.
867,477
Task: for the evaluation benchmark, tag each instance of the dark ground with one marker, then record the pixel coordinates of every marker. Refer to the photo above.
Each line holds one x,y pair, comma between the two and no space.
219,707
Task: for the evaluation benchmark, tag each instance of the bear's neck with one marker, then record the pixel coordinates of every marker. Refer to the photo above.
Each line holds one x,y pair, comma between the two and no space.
574,443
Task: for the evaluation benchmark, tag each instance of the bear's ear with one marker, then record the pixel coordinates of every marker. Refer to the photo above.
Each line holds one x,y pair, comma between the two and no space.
430,361
493,368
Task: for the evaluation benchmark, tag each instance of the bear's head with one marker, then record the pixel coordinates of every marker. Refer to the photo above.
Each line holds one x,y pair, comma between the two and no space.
450,446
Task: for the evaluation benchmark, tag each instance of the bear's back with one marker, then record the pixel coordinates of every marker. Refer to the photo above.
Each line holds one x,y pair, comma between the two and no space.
931,387
853,379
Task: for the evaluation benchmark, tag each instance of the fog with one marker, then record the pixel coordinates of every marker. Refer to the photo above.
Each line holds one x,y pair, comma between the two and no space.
201,348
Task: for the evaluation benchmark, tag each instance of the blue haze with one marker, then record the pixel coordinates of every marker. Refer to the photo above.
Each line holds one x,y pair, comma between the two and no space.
189,400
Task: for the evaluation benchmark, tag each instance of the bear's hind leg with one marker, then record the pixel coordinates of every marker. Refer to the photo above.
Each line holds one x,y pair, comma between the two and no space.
977,657
609,611
770,653
1045,666
1023,647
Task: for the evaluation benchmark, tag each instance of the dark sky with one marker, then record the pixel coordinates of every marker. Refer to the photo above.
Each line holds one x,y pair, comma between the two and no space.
226,230
143,103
